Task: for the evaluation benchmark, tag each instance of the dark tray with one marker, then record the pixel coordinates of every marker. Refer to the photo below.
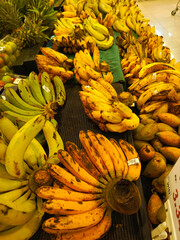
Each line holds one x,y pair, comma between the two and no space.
71,119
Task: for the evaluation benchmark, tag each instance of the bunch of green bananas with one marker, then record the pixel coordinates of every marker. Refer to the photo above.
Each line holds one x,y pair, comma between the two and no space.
22,162
35,97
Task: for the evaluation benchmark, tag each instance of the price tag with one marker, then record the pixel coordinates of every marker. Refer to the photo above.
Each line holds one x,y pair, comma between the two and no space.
172,205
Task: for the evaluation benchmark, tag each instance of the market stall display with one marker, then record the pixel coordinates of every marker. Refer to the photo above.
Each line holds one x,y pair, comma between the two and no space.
104,80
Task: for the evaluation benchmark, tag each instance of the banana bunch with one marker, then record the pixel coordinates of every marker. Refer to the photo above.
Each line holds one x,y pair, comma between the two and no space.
83,194
89,67
157,87
34,98
98,32
102,105
108,20
72,43
131,65
54,63
22,170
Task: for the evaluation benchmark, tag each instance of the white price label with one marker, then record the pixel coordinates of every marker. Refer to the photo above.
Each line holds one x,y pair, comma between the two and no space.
17,80
172,205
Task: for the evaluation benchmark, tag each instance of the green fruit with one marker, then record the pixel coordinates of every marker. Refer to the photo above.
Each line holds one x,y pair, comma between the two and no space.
7,79
12,45
8,49
4,69
12,58
5,57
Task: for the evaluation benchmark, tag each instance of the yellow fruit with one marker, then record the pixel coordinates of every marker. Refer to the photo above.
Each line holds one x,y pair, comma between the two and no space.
154,205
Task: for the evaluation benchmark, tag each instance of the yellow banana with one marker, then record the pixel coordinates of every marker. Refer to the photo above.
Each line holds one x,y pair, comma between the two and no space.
19,143
98,27
96,34
105,44
123,109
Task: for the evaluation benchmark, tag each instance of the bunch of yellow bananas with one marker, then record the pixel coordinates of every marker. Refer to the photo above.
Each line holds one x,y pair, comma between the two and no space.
23,160
54,63
83,194
89,67
102,105
98,32
34,98
157,86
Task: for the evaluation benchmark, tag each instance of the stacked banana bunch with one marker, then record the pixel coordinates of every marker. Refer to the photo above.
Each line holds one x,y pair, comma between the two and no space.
102,105
54,63
98,32
70,37
34,98
83,194
129,17
157,89
23,160
89,67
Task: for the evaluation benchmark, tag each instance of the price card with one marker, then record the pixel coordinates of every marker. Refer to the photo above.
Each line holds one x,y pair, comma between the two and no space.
172,205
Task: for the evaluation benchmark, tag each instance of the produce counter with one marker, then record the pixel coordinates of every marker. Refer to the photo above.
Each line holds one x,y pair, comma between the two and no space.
71,119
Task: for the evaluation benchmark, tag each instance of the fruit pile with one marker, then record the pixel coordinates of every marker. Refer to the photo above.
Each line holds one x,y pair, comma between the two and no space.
9,51
21,209
34,98
90,184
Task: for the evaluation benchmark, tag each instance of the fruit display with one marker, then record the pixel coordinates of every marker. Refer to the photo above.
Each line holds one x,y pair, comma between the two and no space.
34,98
21,209
9,51
91,183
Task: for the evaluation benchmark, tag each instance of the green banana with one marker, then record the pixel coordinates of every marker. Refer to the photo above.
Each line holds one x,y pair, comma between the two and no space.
4,173
28,229
60,90
7,106
7,127
53,139
10,184
35,88
30,157
16,118
47,88
12,217
107,43
98,27
17,101
91,31
26,94
19,143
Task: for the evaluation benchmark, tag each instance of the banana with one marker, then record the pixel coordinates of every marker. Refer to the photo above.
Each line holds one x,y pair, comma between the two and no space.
129,22
133,161
112,116
81,157
76,169
151,106
154,67
98,27
3,148
123,109
102,151
12,195
71,181
10,184
86,58
47,88
19,144
104,44
7,106
16,118
53,54
39,152
89,89
26,230
68,223
146,95
92,73
17,101
9,216
4,173
35,88
120,162
113,153
82,72
60,90
95,232
53,139
92,32
104,7
49,192
26,94
120,25
92,154
62,207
